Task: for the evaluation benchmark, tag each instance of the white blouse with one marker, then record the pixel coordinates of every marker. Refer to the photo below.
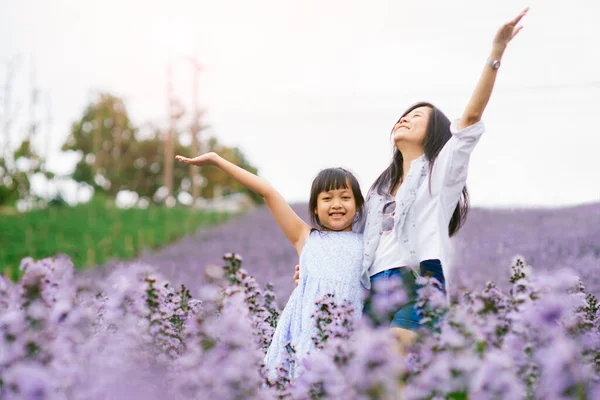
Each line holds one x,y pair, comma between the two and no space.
388,253
423,212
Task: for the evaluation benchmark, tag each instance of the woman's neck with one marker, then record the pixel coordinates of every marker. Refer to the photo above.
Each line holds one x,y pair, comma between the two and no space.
409,154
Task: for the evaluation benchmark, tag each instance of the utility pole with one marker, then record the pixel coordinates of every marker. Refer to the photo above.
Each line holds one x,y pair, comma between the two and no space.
117,132
175,112
97,141
168,176
195,129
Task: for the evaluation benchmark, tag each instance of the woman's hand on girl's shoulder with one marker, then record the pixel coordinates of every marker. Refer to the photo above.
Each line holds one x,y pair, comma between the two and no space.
201,161
297,274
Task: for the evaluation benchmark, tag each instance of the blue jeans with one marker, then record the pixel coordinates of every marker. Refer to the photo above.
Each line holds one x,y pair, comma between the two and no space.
406,316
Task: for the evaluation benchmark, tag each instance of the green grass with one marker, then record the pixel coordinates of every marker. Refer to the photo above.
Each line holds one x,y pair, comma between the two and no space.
94,233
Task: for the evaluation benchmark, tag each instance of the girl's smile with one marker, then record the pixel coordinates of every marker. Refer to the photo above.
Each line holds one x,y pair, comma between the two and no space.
336,209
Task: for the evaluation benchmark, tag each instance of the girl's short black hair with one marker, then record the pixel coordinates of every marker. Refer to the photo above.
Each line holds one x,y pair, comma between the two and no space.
332,179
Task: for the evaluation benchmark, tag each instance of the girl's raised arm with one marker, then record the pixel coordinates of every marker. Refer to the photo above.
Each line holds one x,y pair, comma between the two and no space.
294,228
483,90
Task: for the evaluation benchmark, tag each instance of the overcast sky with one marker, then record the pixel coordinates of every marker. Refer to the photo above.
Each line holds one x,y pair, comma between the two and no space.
305,85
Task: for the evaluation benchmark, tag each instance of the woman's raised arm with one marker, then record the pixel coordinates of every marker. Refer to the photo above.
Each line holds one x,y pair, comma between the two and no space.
483,90
294,228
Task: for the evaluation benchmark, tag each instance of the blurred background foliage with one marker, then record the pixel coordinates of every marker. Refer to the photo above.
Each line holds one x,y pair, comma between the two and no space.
93,233
114,156
117,156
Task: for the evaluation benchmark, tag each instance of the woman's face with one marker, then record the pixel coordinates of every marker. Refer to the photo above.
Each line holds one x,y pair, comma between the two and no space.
412,128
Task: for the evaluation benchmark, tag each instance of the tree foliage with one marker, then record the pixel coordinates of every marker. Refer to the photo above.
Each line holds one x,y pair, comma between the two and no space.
16,175
115,155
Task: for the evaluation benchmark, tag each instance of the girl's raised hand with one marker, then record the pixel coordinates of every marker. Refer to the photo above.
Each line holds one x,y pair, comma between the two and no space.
204,159
507,32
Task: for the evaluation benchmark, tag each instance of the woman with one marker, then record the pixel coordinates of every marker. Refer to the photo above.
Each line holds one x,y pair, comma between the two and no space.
420,200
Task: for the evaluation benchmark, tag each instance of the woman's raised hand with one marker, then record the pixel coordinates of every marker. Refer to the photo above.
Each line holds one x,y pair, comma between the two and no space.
204,159
507,32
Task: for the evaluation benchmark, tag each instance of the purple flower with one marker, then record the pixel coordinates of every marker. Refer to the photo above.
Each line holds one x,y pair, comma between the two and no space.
27,381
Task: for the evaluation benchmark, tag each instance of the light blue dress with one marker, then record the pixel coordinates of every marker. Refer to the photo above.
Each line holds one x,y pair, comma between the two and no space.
330,262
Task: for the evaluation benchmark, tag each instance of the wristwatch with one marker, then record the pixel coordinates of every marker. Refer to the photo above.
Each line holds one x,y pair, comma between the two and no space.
495,64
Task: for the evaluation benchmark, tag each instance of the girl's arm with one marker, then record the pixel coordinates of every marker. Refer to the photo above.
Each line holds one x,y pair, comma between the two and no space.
294,228
483,90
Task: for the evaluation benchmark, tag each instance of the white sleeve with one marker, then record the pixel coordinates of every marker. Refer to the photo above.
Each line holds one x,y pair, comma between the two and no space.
465,141
449,174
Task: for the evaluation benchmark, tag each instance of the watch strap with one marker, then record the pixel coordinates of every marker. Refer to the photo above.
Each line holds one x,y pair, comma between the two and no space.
495,64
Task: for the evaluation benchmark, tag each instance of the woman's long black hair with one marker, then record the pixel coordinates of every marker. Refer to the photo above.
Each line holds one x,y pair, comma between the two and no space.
438,133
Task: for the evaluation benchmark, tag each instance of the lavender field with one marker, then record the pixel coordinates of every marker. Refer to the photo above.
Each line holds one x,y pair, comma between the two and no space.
484,249
131,331
549,239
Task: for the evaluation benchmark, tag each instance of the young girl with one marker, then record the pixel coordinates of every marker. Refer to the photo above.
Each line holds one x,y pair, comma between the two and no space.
330,256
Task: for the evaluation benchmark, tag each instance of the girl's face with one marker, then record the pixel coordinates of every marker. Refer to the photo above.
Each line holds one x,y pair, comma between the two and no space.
412,128
336,209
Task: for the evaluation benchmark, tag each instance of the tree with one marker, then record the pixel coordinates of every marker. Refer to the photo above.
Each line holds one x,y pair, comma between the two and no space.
15,180
105,139
219,181
19,165
149,165
116,156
